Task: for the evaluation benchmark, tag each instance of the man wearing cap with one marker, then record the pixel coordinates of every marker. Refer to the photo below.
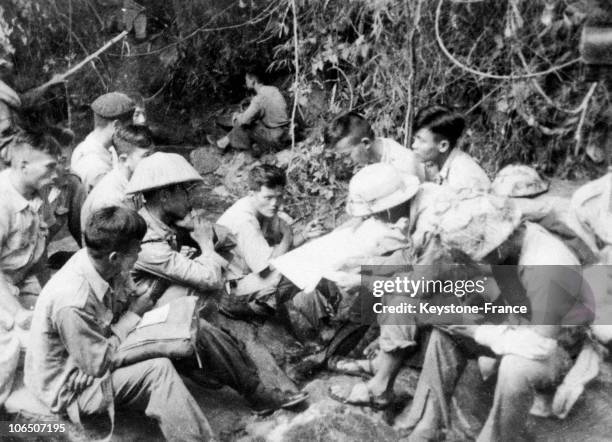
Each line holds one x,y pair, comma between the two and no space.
132,143
92,158
437,130
162,179
531,267
352,134
381,191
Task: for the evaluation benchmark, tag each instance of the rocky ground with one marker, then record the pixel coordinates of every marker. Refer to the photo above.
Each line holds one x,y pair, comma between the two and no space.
323,418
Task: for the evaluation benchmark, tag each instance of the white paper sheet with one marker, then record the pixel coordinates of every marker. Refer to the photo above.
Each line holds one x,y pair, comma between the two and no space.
155,316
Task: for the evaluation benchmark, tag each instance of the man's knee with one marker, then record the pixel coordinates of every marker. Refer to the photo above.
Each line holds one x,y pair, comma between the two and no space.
515,372
161,367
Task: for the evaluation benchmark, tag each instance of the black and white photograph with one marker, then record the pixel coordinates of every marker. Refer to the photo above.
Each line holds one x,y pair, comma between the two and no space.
305,220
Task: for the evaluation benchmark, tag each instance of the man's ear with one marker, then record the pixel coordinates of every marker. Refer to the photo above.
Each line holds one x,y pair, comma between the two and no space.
123,157
113,257
443,146
367,143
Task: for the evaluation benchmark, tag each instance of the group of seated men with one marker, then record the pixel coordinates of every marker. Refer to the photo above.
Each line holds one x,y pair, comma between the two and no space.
144,247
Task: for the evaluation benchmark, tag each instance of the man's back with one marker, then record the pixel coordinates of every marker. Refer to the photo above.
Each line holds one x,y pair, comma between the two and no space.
273,106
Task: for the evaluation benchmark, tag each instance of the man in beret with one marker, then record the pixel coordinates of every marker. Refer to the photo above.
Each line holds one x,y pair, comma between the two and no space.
92,159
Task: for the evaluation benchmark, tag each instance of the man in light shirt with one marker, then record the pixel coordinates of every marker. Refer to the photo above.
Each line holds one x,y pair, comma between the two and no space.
437,130
93,158
352,134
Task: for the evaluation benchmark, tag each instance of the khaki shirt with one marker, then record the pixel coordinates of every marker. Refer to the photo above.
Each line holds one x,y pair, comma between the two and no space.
269,106
590,213
460,171
91,161
110,191
160,258
23,233
77,325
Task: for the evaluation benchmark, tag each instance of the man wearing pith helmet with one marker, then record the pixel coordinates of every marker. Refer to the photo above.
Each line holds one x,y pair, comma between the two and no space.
163,180
93,157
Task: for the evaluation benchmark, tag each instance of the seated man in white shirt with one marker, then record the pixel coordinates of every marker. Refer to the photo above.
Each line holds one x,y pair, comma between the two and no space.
261,235
352,134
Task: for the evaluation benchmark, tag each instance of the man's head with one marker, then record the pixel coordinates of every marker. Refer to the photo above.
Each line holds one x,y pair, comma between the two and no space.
436,131
132,144
163,179
251,80
379,190
111,110
350,134
112,237
34,157
266,185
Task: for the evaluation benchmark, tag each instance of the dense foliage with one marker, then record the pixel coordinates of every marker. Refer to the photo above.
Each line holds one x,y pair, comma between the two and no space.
378,57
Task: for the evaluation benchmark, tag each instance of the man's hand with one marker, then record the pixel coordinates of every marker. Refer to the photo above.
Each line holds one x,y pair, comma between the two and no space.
203,234
141,304
312,230
78,381
23,319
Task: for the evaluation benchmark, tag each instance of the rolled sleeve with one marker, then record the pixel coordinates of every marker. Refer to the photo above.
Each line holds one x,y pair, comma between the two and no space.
251,113
80,332
202,273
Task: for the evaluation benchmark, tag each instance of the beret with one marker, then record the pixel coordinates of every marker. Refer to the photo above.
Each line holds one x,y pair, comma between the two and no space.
112,105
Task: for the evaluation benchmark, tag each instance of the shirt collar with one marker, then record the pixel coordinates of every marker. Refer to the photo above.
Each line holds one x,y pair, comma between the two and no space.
455,152
19,202
98,285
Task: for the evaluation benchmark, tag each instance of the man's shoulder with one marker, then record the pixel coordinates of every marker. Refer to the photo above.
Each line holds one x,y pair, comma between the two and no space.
67,288
590,192
238,213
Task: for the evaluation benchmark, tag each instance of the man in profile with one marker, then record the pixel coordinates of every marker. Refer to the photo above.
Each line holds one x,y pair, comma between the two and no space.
263,123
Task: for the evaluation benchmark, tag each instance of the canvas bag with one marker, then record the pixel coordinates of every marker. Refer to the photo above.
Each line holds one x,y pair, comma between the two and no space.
172,338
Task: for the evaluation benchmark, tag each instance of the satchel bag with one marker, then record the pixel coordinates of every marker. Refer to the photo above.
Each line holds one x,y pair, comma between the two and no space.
173,336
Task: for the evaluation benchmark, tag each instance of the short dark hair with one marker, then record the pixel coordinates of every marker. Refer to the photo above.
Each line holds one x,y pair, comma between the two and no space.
127,138
38,141
350,124
254,75
266,175
442,122
112,229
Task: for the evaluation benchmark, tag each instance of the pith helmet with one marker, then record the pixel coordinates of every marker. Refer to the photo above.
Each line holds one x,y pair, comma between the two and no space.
379,187
519,180
161,170
112,105
9,96
477,223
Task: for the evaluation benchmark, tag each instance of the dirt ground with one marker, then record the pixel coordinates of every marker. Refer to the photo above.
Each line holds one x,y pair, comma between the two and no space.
323,418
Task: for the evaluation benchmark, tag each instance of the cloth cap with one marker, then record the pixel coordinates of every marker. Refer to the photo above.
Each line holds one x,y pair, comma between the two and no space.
476,223
9,96
379,187
112,105
161,170
518,180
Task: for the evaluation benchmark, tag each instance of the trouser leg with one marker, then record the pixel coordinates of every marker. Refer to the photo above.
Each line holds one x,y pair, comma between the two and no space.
444,363
239,138
223,359
517,379
155,387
